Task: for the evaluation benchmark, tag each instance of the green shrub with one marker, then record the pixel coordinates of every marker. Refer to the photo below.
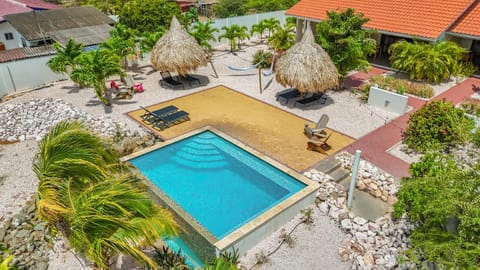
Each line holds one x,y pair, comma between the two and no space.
433,62
437,126
262,58
402,86
471,106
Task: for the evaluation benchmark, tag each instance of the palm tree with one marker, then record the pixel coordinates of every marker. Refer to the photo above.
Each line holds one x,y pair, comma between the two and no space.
203,33
64,60
94,68
234,34
259,28
282,39
94,200
150,39
121,42
271,24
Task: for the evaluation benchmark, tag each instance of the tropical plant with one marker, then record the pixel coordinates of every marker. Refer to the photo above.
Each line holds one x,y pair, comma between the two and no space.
235,33
122,42
94,68
203,32
165,258
433,62
271,24
259,28
263,59
345,41
290,23
220,263
441,198
270,5
64,59
437,126
93,200
229,8
150,39
147,16
191,16
281,39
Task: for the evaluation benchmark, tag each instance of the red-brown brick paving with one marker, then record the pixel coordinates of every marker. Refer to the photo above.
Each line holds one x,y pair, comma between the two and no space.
375,144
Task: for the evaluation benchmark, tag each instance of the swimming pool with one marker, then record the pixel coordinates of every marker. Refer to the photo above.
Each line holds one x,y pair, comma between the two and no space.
218,185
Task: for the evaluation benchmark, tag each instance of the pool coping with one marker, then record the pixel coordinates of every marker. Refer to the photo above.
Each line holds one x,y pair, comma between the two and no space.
249,227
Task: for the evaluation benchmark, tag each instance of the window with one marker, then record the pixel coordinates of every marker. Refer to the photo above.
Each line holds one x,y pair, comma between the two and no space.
8,36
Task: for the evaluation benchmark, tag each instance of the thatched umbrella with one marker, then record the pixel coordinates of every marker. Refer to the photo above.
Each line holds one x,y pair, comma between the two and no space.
177,51
307,67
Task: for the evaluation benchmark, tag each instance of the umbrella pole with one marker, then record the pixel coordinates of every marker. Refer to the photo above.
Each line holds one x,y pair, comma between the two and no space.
214,71
260,79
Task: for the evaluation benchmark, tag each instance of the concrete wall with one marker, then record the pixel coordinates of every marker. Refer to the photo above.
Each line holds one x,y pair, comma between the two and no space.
463,42
387,100
16,42
26,74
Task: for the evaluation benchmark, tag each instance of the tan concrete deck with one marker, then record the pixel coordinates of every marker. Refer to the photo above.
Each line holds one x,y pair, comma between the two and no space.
272,131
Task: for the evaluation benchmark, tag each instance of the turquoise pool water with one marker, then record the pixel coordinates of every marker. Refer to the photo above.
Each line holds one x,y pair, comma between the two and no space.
216,182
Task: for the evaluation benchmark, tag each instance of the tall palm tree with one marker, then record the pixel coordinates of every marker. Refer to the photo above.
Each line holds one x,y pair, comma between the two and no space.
95,201
235,33
64,60
94,68
259,28
203,33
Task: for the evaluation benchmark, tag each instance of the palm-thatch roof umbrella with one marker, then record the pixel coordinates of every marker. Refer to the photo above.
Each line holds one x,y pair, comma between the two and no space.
307,67
177,51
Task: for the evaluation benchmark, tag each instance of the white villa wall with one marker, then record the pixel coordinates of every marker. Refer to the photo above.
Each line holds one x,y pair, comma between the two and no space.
16,42
13,74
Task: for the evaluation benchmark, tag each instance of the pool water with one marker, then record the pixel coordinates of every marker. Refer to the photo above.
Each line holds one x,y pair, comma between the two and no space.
216,182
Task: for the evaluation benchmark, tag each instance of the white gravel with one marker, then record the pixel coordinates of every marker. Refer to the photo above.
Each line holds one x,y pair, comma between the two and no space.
316,248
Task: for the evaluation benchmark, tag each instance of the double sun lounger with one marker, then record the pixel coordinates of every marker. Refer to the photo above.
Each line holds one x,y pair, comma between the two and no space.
169,81
284,97
164,117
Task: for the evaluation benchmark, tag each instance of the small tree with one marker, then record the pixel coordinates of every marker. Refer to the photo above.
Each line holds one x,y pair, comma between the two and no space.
344,39
122,42
64,60
281,39
203,33
270,5
259,28
234,34
442,198
433,62
146,16
229,8
149,39
94,68
271,24
437,126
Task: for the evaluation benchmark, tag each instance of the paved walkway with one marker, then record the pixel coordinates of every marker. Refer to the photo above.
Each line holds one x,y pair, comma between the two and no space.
374,145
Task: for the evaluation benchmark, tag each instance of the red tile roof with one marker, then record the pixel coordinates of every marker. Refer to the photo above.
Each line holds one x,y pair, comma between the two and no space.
469,23
426,18
21,6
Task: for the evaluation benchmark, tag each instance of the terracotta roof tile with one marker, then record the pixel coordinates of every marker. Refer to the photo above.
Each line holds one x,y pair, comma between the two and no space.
426,18
469,23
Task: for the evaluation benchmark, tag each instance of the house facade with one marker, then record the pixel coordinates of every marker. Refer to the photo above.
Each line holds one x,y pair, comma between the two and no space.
10,38
429,20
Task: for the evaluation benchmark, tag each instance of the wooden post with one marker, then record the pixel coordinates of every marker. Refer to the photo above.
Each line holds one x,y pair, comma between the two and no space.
214,71
260,79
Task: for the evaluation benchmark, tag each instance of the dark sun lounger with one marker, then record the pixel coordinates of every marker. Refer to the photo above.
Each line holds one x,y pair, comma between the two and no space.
150,116
170,120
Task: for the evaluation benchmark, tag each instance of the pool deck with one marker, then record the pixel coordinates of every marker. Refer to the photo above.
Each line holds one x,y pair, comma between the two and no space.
272,131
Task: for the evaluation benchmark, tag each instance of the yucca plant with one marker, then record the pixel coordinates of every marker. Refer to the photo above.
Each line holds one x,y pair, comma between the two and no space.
234,33
64,60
